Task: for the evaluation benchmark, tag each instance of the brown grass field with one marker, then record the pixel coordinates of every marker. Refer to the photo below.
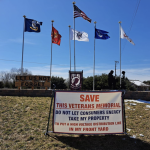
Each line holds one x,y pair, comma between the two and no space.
23,122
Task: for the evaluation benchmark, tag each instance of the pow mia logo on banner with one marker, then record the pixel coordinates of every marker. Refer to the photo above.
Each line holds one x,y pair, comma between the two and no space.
75,81
79,35
34,27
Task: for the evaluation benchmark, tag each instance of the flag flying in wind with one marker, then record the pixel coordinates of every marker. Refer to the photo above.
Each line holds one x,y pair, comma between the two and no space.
80,13
32,25
124,36
56,37
79,36
101,34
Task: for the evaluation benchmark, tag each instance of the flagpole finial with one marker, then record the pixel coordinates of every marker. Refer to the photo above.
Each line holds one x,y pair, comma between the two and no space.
95,22
24,16
69,26
73,2
52,20
119,22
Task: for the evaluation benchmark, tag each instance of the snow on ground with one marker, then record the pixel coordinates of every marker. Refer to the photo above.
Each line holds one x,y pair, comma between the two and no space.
137,101
133,104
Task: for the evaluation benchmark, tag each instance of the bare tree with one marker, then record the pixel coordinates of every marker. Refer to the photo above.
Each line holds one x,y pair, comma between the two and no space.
8,78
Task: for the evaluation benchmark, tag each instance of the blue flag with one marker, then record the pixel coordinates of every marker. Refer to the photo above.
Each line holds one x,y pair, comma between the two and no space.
32,25
101,34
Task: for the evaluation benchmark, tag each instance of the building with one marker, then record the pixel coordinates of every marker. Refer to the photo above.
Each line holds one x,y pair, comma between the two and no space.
140,86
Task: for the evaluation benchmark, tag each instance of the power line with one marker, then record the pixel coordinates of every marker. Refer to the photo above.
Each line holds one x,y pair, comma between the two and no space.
134,15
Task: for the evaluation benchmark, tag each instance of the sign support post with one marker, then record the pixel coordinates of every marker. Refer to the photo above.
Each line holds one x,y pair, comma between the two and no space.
124,112
53,94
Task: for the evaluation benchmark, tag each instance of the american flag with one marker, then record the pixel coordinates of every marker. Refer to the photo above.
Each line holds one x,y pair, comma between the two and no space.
80,13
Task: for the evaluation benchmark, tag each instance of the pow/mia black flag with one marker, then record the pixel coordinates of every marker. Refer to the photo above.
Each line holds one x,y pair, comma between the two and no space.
32,25
76,80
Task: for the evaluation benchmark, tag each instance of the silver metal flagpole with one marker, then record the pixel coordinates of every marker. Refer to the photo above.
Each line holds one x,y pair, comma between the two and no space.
94,60
51,55
23,46
115,67
74,40
120,51
70,47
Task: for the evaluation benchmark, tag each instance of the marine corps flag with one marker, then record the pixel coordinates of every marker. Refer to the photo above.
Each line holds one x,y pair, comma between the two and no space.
56,37
32,25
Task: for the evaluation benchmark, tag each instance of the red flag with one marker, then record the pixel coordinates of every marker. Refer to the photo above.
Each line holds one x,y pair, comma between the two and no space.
56,37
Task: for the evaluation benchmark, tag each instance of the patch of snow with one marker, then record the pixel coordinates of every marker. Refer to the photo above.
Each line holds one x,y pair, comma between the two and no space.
133,104
137,101
129,129
148,106
141,135
134,136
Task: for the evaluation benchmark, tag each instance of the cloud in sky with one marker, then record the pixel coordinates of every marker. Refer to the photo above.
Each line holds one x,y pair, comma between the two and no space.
141,74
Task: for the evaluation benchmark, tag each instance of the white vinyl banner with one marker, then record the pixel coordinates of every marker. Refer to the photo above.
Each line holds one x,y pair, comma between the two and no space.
88,112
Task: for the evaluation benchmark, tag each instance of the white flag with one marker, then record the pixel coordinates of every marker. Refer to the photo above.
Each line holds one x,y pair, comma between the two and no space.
124,36
79,36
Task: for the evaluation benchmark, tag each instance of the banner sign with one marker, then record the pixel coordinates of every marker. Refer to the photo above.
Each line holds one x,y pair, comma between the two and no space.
79,112
76,80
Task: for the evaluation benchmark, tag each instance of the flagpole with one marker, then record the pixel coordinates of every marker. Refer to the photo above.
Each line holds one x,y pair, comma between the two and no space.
120,50
70,47
94,60
74,39
23,46
51,55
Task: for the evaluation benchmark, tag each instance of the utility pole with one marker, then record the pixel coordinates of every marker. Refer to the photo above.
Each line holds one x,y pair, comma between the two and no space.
115,67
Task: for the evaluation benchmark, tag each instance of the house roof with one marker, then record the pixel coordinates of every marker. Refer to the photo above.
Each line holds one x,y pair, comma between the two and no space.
138,83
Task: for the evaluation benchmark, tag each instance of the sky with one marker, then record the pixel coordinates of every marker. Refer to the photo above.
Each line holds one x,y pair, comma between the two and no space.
134,15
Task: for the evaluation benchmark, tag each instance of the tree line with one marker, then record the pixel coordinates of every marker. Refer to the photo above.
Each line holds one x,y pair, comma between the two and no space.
104,81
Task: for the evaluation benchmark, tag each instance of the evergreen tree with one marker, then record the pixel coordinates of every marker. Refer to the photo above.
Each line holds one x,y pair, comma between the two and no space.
59,82
1,84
